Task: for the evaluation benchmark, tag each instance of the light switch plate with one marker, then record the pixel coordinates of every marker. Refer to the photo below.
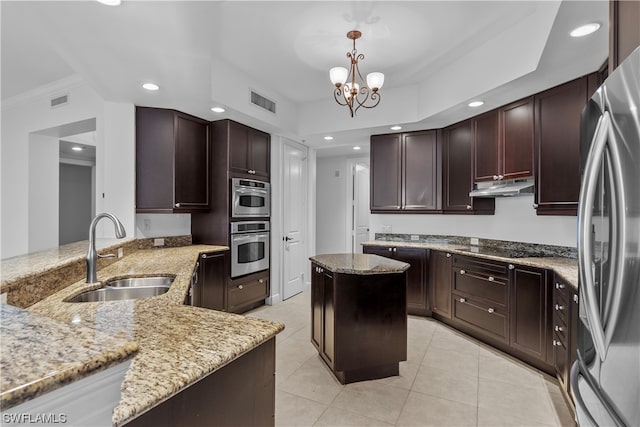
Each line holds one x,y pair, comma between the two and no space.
120,252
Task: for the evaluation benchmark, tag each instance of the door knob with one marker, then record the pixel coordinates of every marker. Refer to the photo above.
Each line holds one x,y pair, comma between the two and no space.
287,238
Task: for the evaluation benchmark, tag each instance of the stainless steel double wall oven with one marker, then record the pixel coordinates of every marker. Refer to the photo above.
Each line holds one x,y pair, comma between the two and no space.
249,239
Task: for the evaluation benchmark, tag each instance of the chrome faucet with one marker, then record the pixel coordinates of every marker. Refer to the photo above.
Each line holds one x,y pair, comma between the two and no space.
92,255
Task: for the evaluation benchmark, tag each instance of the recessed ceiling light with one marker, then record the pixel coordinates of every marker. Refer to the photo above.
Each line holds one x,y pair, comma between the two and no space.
110,2
217,109
150,86
76,148
328,138
584,30
356,148
476,103
396,127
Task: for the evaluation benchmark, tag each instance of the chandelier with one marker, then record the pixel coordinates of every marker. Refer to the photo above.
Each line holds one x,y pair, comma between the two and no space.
350,89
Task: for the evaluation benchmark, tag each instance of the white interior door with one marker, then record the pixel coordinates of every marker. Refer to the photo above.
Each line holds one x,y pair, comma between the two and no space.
294,183
360,204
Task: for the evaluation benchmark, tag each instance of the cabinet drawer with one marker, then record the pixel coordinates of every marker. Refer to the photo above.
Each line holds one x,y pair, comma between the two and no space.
246,292
479,284
491,319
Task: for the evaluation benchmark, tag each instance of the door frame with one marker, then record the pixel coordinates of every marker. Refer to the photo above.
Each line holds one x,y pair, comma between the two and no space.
277,214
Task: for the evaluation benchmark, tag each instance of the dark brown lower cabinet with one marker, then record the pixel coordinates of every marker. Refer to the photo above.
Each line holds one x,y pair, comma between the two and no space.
417,296
440,283
359,323
530,334
247,292
241,393
210,281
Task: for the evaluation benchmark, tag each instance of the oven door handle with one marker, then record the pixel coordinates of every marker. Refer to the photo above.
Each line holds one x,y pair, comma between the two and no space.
256,237
252,190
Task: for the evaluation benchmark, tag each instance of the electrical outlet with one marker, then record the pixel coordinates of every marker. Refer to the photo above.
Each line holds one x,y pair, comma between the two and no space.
158,242
415,237
474,241
120,252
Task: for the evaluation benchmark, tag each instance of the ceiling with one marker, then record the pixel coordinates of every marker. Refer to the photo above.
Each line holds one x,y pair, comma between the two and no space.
435,55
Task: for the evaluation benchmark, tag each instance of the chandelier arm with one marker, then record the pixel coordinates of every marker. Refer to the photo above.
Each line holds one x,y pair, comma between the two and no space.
338,95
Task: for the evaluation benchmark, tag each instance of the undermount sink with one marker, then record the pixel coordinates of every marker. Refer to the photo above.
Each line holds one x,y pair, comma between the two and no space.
127,289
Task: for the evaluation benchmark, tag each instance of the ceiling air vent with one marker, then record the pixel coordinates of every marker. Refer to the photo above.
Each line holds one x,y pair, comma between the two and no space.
59,100
263,102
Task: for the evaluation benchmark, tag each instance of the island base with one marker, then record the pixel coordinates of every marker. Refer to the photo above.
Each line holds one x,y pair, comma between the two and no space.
371,373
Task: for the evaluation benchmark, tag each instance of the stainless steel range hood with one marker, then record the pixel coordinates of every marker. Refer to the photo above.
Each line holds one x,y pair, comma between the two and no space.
515,187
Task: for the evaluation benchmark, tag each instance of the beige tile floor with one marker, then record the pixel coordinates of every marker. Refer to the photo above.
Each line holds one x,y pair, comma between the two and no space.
449,379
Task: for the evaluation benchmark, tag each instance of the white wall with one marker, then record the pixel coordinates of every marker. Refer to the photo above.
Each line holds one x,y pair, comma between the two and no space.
515,219
31,112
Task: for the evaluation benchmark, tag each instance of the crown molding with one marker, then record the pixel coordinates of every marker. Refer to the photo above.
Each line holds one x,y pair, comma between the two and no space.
49,89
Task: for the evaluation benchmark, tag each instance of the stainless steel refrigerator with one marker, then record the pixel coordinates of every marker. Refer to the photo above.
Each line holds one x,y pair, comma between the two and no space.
605,379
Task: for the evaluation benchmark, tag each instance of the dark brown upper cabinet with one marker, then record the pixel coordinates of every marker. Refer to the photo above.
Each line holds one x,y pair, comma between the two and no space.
503,142
457,170
406,172
624,31
250,152
172,162
557,147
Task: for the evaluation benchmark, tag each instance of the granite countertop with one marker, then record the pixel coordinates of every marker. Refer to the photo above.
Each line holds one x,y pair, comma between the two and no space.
360,264
39,354
178,344
21,266
566,268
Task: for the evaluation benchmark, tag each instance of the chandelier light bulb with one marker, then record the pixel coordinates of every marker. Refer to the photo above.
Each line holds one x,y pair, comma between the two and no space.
375,80
338,75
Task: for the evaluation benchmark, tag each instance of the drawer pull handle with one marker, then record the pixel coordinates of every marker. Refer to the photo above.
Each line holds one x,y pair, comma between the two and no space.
240,287
556,343
491,278
575,298
559,328
261,281
390,249
468,207
448,255
463,300
511,266
559,285
462,272
559,307
490,310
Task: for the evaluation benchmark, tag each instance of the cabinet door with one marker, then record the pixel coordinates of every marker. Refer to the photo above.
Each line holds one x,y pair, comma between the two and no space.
517,139
328,319
440,283
154,159
457,153
417,302
421,157
191,171
530,299
624,31
317,303
558,147
238,147
212,281
385,173
260,153
485,146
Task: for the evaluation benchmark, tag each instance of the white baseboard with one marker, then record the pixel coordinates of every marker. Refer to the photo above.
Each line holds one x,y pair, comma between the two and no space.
273,299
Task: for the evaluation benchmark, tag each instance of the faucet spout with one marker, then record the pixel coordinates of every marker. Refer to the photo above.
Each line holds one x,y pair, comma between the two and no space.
92,254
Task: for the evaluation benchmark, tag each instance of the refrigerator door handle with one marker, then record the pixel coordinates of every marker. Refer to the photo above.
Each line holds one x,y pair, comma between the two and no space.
604,142
577,397
587,197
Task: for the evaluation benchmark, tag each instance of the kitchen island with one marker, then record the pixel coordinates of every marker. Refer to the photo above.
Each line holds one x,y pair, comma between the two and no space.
359,314
180,348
